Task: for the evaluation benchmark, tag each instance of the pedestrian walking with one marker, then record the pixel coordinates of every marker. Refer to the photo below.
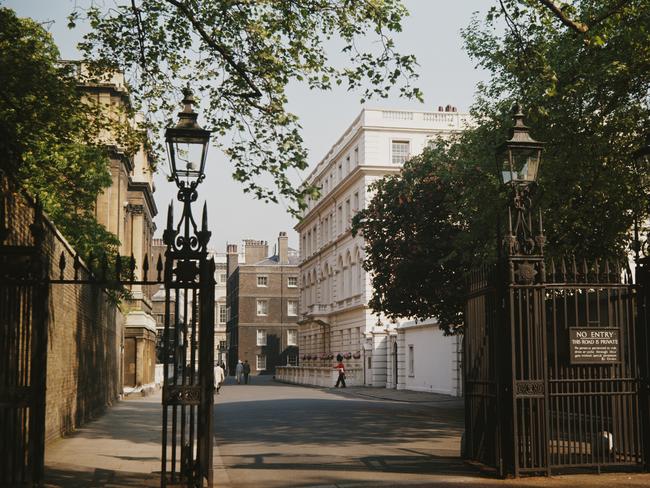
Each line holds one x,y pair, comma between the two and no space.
247,370
239,371
219,376
341,369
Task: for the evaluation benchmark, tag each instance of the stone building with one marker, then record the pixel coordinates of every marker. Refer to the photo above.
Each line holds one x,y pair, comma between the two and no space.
334,287
263,303
127,208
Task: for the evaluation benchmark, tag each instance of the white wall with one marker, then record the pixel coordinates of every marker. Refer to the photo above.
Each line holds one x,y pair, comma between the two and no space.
436,360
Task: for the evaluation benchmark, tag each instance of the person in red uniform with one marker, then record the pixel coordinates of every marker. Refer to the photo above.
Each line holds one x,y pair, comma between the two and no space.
341,369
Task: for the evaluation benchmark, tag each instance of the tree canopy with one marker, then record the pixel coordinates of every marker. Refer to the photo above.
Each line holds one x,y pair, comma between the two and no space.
49,136
586,94
240,56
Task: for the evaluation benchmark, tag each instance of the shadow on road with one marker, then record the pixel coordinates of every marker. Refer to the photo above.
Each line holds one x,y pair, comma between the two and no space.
335,422
69,476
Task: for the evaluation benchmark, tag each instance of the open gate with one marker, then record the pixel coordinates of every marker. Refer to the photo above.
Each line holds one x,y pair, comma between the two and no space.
27,271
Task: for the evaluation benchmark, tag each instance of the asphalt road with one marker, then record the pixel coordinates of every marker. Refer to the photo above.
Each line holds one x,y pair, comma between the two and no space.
273,435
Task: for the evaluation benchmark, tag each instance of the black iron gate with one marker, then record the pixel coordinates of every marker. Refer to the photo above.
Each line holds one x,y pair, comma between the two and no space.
23,344
26,274
556,362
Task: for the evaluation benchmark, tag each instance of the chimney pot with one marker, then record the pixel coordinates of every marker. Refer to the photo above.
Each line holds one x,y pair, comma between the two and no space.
283,248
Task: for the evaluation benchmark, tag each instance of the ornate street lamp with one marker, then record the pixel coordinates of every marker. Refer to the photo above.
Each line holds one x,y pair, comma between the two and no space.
189,287
522,154
187,146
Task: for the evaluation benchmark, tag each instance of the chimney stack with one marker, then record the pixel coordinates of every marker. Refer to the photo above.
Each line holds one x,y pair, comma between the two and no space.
232,258
255,251
283,248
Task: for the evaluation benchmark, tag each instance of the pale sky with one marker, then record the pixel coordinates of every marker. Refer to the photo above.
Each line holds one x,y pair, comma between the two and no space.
447,76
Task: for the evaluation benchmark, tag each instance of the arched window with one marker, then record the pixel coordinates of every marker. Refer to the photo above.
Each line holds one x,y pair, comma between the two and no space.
361,273
339,280
325,299
347,276
354,277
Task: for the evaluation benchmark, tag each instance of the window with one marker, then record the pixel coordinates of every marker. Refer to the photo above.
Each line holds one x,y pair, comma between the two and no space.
292,282
222,314
262,307
348,214
292,307
355,208
223,277
262,281
340,219
292,337
356,156
222,345
400,150
261,337
292,360
261,362
411,360
340,171
347,164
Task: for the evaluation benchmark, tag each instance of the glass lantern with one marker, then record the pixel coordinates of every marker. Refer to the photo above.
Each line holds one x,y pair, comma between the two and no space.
187,146
522,154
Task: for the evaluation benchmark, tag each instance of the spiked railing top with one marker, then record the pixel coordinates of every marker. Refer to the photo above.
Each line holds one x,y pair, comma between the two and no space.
107,269
598,271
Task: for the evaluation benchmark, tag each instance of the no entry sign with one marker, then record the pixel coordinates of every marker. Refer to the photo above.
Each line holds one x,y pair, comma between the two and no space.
594,345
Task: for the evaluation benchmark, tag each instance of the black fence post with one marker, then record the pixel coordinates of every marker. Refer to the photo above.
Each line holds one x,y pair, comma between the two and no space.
643,351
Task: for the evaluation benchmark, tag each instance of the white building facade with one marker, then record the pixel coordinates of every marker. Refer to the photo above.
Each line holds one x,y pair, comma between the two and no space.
335,289
425,359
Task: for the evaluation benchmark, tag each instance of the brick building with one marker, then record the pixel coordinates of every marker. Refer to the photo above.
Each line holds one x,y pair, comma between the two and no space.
158,302
263,302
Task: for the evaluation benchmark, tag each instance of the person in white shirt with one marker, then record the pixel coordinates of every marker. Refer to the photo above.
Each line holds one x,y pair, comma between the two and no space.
219,376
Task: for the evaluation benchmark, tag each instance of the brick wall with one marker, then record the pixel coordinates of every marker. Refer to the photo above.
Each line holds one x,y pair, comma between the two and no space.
84,329
83,360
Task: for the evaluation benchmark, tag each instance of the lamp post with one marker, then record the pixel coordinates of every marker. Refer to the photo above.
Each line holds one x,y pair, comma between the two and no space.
189,314
521,350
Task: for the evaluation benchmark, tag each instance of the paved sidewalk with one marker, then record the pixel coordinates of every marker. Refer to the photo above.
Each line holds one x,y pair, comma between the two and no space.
119,449
406,396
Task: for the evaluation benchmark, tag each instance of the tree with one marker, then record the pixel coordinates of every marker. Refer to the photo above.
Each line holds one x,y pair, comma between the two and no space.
240,55
587,98
50,137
